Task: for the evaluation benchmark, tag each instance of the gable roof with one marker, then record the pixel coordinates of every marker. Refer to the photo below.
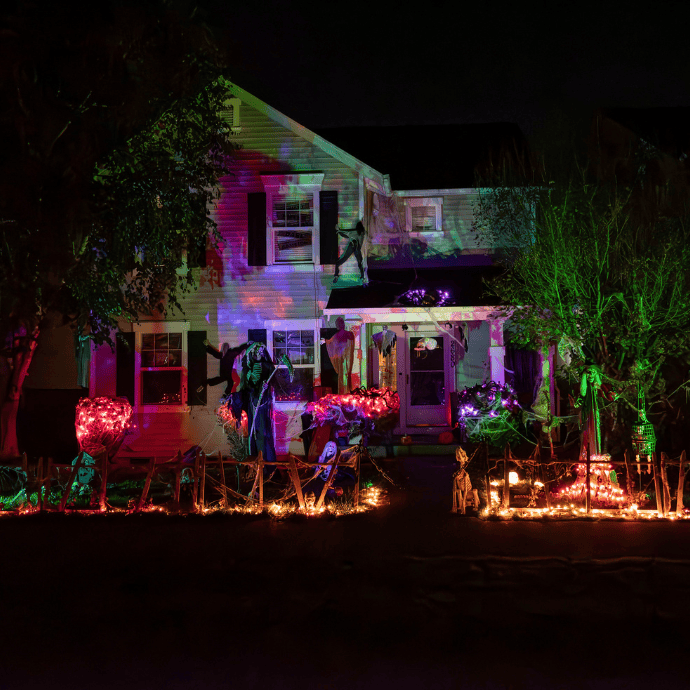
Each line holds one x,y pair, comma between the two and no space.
312,137
431,156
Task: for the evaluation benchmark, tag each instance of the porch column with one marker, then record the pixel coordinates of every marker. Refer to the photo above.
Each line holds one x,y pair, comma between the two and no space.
359,371
497,351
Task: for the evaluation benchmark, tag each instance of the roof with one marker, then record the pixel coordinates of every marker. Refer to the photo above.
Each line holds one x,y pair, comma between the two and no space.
665,128
430,156
386,287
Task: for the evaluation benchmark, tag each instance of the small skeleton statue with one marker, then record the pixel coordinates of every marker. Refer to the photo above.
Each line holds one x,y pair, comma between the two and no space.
462,485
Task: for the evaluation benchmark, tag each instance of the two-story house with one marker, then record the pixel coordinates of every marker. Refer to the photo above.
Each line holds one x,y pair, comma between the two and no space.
272,279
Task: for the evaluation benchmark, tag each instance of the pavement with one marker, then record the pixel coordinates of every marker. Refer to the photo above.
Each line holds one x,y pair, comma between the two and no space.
407,596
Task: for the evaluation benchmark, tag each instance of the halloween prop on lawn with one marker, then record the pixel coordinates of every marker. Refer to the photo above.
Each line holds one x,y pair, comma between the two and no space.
227,356
489,412
341,351
101,424
462,484
355,240
257,373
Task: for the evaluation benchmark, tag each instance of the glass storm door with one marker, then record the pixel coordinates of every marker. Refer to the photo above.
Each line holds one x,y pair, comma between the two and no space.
428,380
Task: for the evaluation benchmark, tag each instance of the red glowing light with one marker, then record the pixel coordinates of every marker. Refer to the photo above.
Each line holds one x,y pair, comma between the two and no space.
364,404
102,423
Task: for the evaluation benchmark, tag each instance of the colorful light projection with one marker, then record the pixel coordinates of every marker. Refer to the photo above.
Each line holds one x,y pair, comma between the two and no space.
101,423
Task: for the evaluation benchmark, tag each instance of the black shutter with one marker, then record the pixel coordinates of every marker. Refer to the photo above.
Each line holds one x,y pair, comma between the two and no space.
124,376
196,367
257,335
328,376
256,228
328,215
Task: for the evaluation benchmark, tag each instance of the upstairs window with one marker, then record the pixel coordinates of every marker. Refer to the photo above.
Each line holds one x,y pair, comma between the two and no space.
293,228
292,218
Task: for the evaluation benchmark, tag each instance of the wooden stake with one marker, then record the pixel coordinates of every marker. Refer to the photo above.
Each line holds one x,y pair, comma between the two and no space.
178,477
506,478
356,496
202,483
195,478
657,484
39,484
664,479
147,484
223,488
588,508
294,475
487,480
628,475
260,473
72,475
104,482
681,485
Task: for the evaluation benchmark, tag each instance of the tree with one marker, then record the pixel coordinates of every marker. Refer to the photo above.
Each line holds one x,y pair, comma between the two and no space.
113,146
585,269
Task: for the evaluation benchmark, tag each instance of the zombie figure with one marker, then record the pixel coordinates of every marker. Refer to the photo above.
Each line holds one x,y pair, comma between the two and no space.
355,240
588,402
255,379
341,351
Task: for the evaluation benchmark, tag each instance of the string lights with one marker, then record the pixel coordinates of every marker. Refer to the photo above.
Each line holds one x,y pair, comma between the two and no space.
102,423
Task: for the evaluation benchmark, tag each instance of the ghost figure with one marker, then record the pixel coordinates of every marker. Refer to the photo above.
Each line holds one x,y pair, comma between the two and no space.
341,351
329,453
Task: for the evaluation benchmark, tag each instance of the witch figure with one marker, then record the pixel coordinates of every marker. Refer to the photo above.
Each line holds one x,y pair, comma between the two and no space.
255,379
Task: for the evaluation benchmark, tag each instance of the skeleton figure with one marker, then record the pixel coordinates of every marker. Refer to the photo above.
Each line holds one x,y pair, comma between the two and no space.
462,485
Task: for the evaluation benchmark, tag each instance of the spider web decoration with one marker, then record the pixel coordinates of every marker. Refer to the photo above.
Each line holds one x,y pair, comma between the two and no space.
489,412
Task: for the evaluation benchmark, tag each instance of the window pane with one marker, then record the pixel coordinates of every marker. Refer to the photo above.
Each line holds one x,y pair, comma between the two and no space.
175,341
175,358
278,352
426,353
427,388
162,359
293,338
161,341
278,338
161,387
147,341
307,338
295,356
300,389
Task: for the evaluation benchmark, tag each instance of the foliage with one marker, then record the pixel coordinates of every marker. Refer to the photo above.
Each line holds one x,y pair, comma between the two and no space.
586,270
113,144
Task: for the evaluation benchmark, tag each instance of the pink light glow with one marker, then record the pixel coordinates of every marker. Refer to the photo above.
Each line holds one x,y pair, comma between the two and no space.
101,423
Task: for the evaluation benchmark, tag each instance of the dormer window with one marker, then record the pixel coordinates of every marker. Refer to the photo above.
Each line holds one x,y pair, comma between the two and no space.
424,216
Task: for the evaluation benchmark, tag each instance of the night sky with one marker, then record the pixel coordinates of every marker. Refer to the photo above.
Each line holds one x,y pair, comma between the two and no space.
532,63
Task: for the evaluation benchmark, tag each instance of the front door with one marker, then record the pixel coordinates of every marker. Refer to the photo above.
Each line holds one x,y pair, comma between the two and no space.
428,380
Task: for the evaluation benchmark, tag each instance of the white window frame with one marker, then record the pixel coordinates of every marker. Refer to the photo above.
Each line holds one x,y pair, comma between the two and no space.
296,325
286,185
415,202
160,327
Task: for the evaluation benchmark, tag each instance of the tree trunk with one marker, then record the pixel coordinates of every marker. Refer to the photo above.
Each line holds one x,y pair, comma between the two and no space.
18,366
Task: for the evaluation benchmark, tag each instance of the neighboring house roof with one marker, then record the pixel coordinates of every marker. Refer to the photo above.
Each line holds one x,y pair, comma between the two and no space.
430,156
665,128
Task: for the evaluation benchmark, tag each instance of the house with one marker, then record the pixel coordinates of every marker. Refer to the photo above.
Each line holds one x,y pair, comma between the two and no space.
272,280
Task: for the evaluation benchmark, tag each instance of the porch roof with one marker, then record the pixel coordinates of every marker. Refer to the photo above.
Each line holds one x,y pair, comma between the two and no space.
382,298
